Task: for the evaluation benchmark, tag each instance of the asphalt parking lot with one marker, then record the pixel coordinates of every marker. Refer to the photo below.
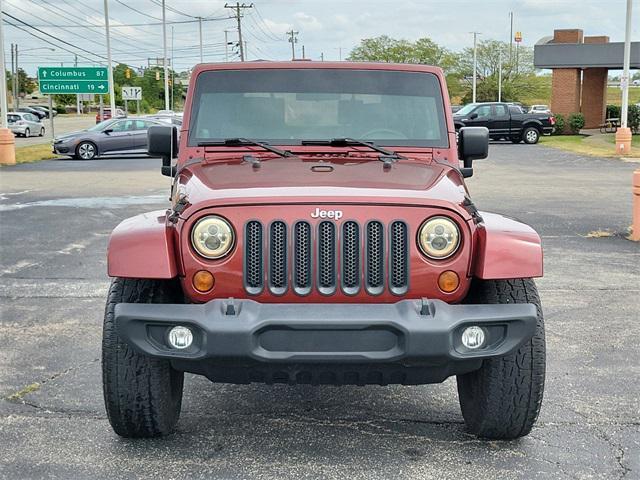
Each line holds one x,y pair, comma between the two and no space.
55,218
62,124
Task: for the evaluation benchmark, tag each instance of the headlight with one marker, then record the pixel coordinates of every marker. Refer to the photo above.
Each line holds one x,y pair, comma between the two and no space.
439,238
212,237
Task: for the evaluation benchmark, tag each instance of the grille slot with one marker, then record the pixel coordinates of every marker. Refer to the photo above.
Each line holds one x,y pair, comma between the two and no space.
278,258
350,258
326,258
398,258
253,258
374,262
302,258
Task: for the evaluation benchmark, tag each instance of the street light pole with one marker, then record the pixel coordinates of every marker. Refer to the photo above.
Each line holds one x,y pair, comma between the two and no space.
500,76
475,64
623,134
164,56
112,94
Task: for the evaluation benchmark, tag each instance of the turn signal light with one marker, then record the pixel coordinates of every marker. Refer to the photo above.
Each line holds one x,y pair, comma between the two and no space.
448,281
203,281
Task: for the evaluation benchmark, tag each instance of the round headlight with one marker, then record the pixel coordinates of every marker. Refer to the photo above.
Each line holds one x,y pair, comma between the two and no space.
212,237
439,238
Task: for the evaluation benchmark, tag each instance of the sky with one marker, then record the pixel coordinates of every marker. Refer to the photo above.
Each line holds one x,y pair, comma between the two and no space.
329,27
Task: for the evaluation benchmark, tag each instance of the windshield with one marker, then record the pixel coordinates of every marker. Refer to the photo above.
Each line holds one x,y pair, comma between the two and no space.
466,109
286,106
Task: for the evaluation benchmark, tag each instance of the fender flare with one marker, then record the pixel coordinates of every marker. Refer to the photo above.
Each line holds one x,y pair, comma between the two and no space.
506,248
533,123
142,247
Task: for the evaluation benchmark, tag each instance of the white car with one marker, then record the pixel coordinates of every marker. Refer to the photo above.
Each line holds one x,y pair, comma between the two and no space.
25,124
539,109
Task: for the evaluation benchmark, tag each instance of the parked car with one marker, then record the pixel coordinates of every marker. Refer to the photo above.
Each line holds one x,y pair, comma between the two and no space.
106,114
540,109
455,108
314,238
45,110
170,119
25,124
38,113
111,137
505,121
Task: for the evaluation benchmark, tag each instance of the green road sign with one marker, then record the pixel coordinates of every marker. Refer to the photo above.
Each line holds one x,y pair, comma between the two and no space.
60,80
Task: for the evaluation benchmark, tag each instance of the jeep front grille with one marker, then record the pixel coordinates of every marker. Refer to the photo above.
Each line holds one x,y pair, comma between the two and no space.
331,256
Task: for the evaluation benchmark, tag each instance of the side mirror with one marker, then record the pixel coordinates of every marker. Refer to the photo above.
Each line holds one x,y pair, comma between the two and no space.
107,131
162,141
473,116
473,144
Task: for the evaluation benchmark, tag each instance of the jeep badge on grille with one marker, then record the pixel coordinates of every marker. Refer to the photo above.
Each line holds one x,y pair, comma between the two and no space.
335,214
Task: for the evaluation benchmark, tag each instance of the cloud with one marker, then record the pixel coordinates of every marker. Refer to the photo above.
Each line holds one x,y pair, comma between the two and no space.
308,22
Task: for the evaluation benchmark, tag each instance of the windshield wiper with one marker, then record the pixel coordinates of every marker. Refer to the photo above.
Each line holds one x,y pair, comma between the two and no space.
388,156
234,142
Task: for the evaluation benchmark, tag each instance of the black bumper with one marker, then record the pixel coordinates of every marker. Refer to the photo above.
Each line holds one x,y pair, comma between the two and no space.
240,341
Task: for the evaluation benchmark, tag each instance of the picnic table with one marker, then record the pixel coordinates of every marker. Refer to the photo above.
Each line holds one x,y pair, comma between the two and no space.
610,125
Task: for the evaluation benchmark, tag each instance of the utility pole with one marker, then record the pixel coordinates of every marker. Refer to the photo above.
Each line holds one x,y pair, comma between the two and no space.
3,79
164,55
511,38
475,64
238,16
112,94
226,46
16,79
200,30
303,54
322,56
75,64
293,39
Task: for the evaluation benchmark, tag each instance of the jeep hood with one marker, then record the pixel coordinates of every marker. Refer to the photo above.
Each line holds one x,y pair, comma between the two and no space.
320,180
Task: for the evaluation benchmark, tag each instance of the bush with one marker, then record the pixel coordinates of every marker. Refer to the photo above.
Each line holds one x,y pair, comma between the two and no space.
60,109
576,122
633,118
613,111
560,124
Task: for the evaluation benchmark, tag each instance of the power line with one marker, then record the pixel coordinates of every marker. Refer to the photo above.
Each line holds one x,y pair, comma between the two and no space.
276,37
137,11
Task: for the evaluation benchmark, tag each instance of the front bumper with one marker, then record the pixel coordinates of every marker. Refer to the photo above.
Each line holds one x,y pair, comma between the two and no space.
410,332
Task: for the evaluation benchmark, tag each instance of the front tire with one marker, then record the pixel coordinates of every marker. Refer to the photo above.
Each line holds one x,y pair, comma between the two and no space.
531,135
142,395
502,399
86,151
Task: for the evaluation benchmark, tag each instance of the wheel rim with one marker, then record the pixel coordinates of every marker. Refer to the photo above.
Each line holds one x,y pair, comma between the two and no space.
42,132
86,151
27,133
532,136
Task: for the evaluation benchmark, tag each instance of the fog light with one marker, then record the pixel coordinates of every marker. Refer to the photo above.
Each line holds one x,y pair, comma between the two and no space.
180,337
473,337
203,281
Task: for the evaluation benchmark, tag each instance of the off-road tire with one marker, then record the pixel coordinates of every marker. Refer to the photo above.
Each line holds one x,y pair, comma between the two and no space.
531,135
502,399
142,395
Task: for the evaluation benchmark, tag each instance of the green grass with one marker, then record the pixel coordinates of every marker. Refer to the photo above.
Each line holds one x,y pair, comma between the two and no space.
596,145
34,153
614,95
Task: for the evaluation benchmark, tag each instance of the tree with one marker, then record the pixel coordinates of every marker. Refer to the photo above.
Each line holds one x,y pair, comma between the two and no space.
25,83
424,51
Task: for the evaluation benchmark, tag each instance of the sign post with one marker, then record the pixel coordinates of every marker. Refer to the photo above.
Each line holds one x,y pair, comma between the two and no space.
131,93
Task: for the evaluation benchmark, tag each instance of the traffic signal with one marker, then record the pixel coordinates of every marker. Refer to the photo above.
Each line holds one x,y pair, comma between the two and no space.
157,74
127,73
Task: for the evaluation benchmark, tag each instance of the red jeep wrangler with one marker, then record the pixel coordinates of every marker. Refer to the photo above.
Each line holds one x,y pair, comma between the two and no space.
320,232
